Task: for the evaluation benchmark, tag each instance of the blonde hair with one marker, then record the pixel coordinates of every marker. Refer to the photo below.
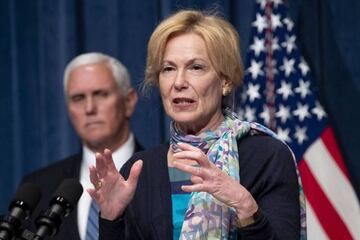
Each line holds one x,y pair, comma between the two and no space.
220,37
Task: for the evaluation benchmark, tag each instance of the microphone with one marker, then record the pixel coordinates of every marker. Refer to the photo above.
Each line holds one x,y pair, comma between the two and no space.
21,207
62,203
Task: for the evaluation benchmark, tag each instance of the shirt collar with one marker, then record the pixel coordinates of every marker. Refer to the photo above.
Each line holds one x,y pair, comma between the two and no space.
120,155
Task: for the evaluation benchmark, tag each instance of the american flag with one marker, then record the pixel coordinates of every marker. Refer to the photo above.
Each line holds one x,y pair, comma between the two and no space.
278,93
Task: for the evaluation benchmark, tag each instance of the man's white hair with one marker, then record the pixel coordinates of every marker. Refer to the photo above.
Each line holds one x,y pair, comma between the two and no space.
119,71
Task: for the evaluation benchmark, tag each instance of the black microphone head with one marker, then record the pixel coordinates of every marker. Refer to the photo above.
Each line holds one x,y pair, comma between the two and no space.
62,203
27,197
69,191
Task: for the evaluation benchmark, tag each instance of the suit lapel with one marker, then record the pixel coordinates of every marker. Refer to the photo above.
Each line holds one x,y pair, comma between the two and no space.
138,146
70,226
163,226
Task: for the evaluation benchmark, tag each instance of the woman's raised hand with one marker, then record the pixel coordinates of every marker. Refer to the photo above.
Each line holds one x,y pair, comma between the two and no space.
206,177
112,192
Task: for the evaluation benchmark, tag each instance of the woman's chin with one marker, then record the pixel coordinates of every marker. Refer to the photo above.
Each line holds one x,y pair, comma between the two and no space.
185,119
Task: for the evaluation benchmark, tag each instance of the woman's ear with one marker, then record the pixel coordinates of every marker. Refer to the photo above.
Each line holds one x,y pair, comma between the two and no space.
226,87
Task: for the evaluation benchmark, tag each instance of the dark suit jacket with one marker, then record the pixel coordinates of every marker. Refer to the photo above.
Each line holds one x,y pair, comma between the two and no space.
48,179
267,170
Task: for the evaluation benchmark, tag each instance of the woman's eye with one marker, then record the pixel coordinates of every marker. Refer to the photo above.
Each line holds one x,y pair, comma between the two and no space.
197,67
167,69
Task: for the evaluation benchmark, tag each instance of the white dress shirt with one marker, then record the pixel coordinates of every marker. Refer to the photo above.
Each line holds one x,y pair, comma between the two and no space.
120,156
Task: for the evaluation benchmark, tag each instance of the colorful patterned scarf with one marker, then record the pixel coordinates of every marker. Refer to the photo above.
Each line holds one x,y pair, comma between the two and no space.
206,217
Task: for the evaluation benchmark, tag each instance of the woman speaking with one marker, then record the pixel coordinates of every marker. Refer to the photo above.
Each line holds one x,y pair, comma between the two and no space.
218,177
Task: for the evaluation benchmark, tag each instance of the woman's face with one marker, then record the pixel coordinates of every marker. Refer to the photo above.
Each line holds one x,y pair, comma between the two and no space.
191,90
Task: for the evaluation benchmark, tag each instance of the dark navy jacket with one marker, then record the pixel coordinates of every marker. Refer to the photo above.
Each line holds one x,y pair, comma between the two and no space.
49,178
267,170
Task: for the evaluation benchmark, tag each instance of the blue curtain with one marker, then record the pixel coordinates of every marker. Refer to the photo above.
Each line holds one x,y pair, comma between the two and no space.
39,37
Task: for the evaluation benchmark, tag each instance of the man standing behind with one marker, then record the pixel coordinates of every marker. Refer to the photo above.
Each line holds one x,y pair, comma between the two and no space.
100,102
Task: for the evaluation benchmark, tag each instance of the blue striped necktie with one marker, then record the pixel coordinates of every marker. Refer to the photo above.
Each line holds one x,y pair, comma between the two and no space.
92,227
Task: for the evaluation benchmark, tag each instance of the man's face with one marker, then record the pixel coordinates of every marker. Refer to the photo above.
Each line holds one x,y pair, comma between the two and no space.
97,108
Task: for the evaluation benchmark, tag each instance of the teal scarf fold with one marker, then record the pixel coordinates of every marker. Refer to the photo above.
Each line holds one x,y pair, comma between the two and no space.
206,217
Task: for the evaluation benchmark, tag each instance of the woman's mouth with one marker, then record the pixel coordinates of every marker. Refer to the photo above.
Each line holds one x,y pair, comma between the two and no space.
183,104
183,101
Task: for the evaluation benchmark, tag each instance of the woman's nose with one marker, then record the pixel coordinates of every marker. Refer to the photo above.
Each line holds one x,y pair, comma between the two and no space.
180,80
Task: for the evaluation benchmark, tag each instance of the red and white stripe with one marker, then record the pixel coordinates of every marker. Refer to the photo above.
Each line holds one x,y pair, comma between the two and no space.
333,210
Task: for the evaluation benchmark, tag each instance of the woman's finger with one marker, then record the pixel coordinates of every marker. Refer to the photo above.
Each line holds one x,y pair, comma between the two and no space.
108,160
193,188
93,175
187,147
196,180
100,165
197,156
193,170
135,172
